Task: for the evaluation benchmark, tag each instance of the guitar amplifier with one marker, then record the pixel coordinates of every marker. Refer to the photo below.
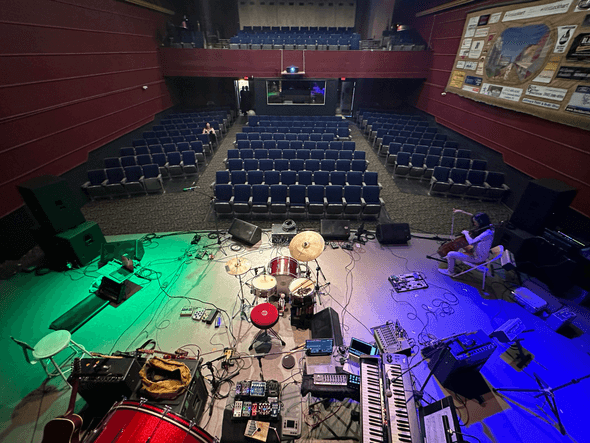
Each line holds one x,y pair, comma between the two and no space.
104,381
468,351
190,404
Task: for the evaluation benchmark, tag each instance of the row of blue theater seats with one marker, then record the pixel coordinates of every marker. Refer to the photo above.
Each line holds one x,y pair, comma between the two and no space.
304,136
324,178
387,136
335,145
485,185
153,144
400,130
254,29
282,127
437,151
174,133
311,200
320,44
235,164
253,120
157,148
422,167
168,163
119,181
307,133
291,154
402,141
158,158
275,121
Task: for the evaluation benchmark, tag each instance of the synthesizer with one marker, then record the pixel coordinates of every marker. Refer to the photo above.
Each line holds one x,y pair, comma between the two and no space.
392,338
388,410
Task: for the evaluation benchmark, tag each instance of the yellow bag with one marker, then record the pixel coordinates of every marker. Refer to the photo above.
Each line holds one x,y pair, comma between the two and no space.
164,378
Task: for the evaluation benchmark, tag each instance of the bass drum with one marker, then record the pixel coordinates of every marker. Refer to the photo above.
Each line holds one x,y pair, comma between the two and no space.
264,286
133,422
284,269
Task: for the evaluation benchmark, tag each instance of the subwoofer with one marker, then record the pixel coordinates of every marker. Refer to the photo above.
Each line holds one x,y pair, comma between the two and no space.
541,205
52,203
393,233
244,231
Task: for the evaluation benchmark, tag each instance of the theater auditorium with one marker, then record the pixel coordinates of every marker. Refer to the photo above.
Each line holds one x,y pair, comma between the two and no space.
307,221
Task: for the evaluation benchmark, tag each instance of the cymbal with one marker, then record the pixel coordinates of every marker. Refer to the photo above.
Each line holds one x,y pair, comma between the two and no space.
237,266
306,246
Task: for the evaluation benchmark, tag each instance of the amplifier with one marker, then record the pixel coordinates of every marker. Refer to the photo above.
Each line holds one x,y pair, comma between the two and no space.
280,236
467,351
189,404
104,381
529,300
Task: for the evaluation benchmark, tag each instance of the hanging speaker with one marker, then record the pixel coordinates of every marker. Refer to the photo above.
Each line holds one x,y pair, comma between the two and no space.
244,231
393,233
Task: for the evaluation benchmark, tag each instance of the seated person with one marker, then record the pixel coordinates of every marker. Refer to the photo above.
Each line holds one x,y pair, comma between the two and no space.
212,134
479,241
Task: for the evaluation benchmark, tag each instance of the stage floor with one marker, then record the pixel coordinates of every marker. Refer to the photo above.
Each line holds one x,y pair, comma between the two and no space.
359,291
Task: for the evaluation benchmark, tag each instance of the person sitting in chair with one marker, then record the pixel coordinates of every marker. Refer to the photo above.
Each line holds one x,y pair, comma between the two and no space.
479,241
212,134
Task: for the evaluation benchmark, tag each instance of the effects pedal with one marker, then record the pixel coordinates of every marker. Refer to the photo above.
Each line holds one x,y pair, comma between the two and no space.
186,312
407,282
254,409
258,389
238,409
198,314
246,388
275,409
238,389
246,409
210,316
273,388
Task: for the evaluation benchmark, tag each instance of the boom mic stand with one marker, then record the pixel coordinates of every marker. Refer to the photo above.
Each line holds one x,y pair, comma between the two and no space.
212,206
549,394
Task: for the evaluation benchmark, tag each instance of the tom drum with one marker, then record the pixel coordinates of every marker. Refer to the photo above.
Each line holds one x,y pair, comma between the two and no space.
284,269
264,286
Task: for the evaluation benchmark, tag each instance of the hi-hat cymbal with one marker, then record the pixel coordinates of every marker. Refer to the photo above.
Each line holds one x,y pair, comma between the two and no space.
307,246
237,266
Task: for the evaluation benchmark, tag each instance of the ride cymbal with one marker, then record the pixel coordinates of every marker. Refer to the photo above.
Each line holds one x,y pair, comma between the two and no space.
307,246
237,266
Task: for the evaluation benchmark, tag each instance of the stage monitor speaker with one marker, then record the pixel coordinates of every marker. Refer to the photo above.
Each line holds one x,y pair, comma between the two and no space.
393,233
132,249
335,229
516,241
244,231
326,324
541,205
81,244
52,203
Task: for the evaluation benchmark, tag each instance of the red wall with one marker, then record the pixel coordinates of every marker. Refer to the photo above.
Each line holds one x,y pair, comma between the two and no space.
318,64
537,147
72,77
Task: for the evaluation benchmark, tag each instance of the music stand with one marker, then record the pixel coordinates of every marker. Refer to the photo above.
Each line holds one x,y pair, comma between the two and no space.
548,392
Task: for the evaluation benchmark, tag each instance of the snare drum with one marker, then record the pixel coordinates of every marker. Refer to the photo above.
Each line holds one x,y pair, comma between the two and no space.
302,291
133,422
285,269
264,286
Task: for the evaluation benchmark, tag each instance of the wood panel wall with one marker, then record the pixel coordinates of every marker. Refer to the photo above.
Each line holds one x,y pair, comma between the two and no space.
297,13
537,147
72,80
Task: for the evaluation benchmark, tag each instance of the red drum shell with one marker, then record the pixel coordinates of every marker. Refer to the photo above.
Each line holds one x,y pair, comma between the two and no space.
284,269
129,421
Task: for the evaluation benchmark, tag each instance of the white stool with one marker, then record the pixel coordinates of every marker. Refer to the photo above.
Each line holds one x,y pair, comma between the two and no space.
48,347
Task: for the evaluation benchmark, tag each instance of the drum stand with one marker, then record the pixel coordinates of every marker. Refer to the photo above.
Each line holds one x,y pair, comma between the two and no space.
243,303
547,392
318,271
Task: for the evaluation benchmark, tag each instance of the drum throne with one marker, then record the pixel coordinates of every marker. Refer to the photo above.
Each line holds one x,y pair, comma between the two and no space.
264,316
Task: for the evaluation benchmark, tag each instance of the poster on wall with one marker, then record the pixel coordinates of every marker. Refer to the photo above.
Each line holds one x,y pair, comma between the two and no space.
533,59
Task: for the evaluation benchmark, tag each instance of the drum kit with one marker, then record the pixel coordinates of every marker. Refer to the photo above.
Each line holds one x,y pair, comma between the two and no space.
284,276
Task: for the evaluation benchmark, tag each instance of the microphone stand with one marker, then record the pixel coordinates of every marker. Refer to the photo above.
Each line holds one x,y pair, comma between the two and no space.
319,272
212,206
